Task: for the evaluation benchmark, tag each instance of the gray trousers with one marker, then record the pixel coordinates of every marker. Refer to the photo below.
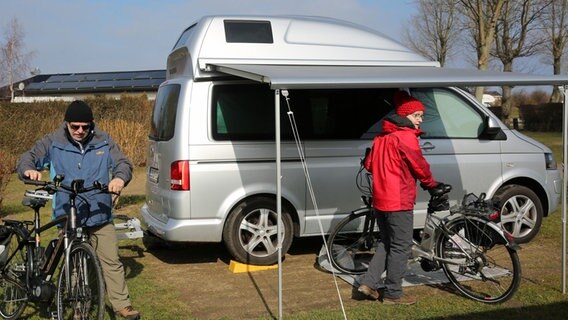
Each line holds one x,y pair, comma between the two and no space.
104,240
392,252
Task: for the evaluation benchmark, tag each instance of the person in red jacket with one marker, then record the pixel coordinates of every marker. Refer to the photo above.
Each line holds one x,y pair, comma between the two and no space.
396,162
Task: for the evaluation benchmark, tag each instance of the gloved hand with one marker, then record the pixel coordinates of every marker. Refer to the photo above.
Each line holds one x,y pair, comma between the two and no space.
439,189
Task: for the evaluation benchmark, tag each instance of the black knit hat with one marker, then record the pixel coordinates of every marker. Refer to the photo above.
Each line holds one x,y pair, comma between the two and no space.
78,111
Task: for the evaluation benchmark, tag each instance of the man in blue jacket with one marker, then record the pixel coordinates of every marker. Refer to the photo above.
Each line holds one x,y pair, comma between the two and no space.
78,150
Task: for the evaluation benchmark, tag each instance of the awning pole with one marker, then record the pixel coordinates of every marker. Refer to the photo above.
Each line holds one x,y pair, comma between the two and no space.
564,181
278,197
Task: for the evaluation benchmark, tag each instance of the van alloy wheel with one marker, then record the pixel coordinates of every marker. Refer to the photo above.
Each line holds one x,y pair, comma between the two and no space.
250,233
521,212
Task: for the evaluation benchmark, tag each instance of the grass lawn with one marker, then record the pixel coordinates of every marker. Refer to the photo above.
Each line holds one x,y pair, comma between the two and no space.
159,287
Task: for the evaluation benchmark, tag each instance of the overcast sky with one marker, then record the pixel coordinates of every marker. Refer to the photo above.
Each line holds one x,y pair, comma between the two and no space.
123,35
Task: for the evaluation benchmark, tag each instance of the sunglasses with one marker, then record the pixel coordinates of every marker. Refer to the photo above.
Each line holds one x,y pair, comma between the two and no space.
76,127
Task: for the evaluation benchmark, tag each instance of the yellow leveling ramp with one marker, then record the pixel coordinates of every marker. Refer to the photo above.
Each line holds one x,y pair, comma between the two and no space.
237,267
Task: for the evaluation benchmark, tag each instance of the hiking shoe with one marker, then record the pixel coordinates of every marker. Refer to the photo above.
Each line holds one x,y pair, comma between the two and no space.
129,313
371,293
404,299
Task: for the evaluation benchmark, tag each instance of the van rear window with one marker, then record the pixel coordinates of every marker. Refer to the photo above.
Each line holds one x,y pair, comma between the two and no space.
163,122
248,31
246,112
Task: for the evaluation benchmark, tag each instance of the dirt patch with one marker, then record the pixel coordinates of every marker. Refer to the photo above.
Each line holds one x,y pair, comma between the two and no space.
205,283
200,275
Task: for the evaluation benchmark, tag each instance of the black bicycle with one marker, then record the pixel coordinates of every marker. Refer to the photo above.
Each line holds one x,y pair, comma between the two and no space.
29,271
477,256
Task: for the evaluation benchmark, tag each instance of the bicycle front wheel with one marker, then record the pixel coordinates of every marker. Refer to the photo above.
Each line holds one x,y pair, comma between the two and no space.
80,292
478,262
13,296
353,242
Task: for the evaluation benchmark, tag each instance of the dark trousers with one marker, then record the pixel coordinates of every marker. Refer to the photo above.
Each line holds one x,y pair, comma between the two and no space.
392,252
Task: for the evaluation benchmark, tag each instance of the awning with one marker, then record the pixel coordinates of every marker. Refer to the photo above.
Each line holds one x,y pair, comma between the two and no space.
329,77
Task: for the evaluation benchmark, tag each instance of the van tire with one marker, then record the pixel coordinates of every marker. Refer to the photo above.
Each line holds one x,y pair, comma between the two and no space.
255,219
521,212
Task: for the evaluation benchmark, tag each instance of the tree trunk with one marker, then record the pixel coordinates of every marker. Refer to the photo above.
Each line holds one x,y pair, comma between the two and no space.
506,103
556,95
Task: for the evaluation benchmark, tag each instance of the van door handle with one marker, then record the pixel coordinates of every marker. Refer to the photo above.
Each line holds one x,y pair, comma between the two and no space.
427,146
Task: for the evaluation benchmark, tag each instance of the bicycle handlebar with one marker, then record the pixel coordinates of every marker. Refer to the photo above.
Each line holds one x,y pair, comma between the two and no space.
77,186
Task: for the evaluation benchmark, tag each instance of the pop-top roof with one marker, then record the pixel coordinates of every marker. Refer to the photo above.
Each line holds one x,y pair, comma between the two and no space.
283,40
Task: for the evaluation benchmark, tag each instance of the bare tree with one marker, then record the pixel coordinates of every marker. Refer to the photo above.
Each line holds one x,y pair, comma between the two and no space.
481,17
14,62
433,31
517,36
554,22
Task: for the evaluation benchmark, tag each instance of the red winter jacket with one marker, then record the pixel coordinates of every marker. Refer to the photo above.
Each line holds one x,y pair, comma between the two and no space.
396,162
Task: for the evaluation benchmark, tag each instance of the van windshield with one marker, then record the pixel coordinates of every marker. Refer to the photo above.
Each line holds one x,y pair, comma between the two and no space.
163,121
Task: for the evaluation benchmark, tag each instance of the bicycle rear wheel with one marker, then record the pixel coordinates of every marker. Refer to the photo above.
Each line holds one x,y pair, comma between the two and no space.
84,297
13,296
483,267
353,242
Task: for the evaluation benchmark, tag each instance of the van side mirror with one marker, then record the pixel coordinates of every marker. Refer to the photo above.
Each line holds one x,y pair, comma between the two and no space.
492,129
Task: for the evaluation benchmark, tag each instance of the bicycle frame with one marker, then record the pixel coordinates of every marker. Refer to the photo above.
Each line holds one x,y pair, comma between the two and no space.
31,268
468,244
40,267
435,228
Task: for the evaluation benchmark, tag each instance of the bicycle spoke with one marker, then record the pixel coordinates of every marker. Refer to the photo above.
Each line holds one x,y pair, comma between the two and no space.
83,297
351,248
489,272
13,297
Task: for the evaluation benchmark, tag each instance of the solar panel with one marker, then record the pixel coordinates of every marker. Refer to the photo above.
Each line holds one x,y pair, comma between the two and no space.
86,85
35,86
100,81
124,76
104,84
57,78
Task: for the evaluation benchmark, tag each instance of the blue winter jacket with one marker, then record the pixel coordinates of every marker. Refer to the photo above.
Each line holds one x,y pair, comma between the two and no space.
97,159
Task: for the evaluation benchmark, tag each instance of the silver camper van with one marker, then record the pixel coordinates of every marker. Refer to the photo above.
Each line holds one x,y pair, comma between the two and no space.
211,155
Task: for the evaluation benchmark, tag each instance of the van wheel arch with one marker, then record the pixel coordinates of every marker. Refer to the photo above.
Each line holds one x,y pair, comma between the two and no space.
249,232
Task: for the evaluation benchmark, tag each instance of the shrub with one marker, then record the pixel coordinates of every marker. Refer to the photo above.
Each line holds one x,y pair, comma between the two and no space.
543,117
126,120
7,166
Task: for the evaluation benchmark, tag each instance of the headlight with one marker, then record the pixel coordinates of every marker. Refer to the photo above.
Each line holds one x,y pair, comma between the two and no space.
549,161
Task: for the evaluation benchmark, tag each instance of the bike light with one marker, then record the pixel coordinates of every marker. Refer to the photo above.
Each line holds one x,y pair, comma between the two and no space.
509,236
179,175
494,216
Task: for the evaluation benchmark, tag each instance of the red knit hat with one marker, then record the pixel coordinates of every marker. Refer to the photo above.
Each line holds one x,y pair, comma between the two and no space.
406,104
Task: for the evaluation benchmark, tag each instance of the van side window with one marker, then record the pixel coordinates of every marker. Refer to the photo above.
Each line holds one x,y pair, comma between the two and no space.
339,113
163,122
448,115
243,112
246,112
